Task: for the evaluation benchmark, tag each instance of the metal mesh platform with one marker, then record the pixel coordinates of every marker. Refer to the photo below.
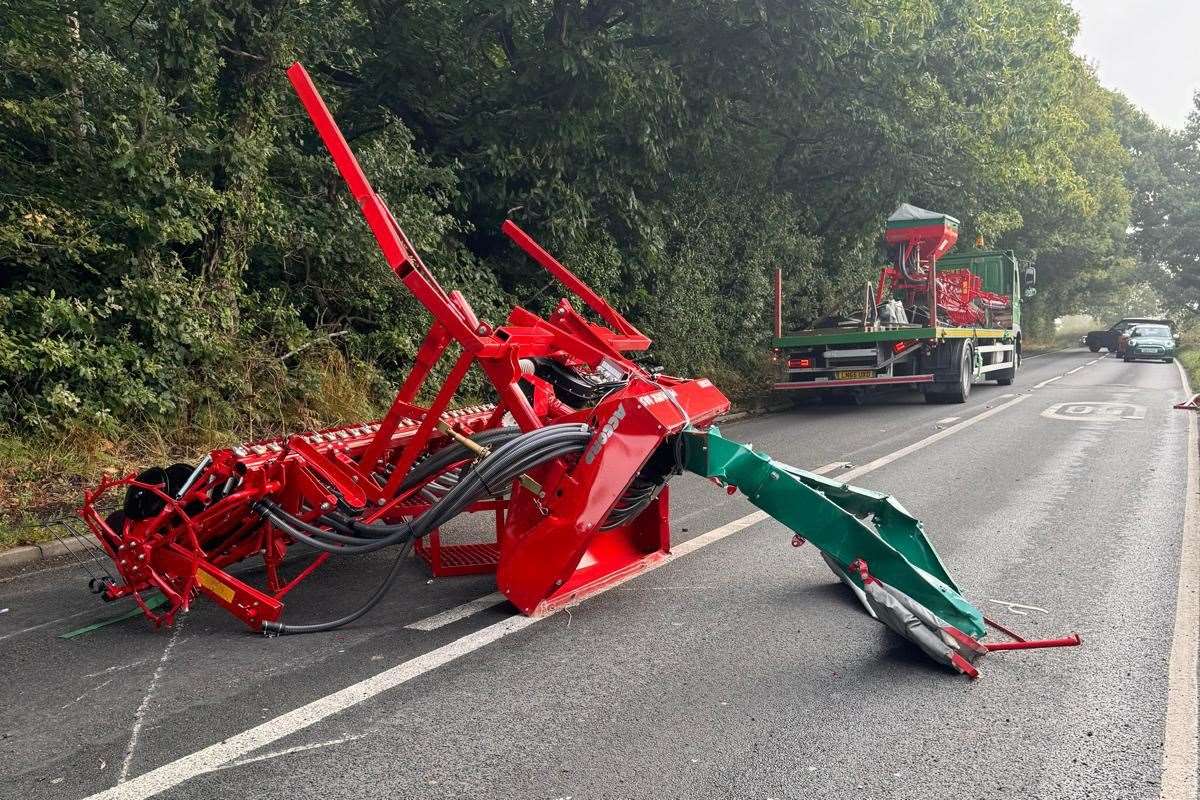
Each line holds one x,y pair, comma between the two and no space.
458,559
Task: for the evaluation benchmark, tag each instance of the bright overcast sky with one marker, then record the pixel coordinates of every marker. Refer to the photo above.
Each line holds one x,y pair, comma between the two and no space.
1147,49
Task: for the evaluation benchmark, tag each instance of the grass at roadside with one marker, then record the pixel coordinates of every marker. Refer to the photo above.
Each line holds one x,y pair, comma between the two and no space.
43,476
1189,357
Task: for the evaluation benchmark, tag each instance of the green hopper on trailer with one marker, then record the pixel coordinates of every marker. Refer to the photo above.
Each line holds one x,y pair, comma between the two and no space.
975,334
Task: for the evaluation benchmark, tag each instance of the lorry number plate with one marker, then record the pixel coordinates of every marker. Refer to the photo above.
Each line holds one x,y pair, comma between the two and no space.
854,374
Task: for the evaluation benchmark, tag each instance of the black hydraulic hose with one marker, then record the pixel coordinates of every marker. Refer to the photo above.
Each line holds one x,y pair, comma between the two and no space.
487,470
509,461
455,452
281,629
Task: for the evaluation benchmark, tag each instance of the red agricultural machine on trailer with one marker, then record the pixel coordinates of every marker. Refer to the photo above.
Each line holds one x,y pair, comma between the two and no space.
933,321
572,458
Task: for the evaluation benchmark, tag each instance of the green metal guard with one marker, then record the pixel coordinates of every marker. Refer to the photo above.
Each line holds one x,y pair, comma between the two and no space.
833,516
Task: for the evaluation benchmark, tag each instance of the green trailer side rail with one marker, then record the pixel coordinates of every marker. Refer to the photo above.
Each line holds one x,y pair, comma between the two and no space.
843,336
846,523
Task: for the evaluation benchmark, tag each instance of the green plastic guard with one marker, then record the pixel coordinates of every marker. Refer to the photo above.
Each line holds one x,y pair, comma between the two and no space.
831,515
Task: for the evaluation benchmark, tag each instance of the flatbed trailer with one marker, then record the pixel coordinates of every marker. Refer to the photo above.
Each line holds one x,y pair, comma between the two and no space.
941,361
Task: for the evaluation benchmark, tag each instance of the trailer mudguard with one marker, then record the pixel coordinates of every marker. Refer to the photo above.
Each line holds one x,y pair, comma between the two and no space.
845,523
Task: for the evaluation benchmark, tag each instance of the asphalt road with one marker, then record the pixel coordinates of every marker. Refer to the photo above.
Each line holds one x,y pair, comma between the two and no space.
739,669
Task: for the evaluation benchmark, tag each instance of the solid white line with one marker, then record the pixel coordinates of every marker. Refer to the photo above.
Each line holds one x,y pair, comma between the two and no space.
1073,371
883,461
1047,353
946,421
458,612
218,755
1048,381
1182,733
139,718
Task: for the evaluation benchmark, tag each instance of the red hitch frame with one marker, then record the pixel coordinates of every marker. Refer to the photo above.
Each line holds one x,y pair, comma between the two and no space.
556,542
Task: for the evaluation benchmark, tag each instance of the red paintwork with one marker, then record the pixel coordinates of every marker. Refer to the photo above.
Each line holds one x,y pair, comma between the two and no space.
882,381
957,294
550,549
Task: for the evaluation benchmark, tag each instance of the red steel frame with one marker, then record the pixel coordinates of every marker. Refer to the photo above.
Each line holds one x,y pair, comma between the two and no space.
550,547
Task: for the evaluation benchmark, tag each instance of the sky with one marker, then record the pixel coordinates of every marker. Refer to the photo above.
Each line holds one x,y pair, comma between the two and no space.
1147,49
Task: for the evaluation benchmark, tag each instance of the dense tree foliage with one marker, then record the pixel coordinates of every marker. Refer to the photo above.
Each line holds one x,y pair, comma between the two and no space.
174,244
1165,227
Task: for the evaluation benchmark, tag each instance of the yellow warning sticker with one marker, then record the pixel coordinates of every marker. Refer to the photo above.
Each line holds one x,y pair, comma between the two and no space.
221,590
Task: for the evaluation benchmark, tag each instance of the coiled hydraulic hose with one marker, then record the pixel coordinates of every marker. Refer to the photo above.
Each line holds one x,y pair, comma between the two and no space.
512,458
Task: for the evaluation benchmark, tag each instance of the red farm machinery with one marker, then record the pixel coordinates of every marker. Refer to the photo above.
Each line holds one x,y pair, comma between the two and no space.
573,457
933,321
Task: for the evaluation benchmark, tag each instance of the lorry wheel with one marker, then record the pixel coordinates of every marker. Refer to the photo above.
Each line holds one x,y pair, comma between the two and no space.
961,389
1095,348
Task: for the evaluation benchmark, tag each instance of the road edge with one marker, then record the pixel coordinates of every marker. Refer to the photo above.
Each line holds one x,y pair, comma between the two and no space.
1181,732
32,553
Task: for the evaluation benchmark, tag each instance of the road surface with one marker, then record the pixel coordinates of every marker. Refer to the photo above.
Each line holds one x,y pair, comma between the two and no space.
738,669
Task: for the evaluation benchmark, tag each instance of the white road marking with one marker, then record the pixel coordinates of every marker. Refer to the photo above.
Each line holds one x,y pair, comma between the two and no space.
300,748
828,468
44,624
1073,371
130,665
946,421
216,756
883,461
96,688
1094,411
1048,381
458,612
139,717
1047,353
1182,732
1020,609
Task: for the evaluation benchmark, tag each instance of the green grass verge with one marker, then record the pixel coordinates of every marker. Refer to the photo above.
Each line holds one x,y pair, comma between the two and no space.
43,475
1189,358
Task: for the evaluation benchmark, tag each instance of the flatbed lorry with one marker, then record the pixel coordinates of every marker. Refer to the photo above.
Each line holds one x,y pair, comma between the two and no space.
975,334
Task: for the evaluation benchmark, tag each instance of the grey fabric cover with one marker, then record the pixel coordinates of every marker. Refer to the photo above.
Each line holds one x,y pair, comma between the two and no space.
916,623
907,212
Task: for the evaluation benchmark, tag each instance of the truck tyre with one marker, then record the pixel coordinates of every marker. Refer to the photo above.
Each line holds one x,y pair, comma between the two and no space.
955,383
1095,348
961,390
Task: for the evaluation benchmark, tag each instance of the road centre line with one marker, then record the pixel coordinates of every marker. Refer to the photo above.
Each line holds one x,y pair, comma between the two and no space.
235,747
1182,727
1048,381
458,612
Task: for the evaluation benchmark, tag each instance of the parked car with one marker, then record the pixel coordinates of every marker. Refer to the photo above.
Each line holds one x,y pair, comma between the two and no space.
1110,339
1148,341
